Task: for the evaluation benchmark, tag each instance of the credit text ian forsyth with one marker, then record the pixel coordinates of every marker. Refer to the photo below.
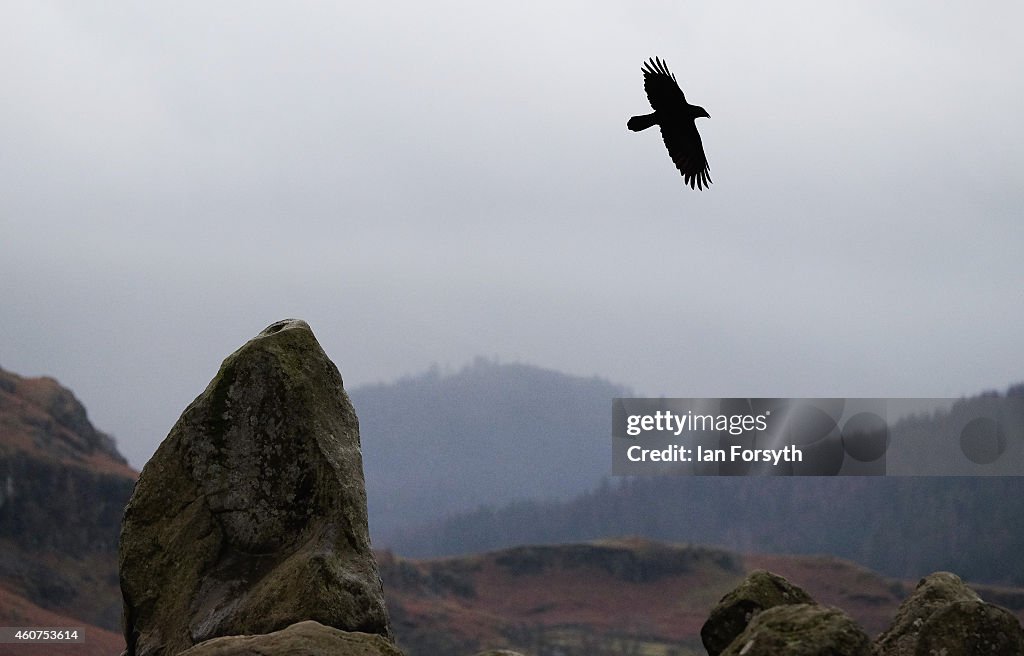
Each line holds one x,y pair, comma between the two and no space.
664,421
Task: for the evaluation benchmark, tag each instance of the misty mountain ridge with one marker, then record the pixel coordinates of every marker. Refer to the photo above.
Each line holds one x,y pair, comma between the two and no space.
441,443
903,527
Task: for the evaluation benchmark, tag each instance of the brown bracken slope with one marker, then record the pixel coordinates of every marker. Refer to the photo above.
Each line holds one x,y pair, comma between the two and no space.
63,487
633,593
16,611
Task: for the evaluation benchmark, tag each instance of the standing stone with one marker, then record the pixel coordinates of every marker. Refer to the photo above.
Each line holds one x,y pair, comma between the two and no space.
759,591
251,516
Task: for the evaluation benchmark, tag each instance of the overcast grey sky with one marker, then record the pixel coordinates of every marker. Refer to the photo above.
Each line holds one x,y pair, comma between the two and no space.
428,182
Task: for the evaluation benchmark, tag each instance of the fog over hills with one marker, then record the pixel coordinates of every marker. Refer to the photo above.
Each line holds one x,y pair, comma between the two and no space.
442,443
489,457
901,527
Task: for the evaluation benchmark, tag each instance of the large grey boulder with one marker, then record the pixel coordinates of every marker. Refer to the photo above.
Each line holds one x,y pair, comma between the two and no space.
302,638
945,616
801,630
758,592
965,628
251,516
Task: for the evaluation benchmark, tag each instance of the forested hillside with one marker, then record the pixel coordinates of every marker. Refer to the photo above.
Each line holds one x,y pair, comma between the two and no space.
900,526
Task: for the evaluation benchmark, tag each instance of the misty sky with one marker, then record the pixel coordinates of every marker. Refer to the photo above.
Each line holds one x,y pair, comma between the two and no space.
428,182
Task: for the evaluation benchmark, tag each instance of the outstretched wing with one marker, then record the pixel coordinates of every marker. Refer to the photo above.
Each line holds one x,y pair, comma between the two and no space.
687,152
663,91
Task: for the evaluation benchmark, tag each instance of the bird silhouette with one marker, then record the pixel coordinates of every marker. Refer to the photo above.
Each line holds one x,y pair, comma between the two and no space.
677,120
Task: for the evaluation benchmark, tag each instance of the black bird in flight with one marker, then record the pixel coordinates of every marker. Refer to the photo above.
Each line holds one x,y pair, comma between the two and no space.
676,117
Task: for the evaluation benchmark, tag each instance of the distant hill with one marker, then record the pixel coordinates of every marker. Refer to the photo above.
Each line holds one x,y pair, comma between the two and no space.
902,527
63,487
439,444
626,596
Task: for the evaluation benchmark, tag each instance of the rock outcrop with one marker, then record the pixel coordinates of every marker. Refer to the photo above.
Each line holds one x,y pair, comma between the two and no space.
630,560
766,615
945,616
251,515
63,486
41,418
760,591
307,637
800,630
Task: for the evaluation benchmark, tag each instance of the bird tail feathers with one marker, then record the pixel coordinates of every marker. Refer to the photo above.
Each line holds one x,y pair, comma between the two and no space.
638,123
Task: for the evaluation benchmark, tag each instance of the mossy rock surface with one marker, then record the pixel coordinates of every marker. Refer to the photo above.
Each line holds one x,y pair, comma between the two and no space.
759,591
303,638
251,515
969,627
801,630
944,616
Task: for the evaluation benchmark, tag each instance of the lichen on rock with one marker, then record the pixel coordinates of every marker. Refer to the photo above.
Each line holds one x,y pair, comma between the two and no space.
800,630
760,591
944,616
251,515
